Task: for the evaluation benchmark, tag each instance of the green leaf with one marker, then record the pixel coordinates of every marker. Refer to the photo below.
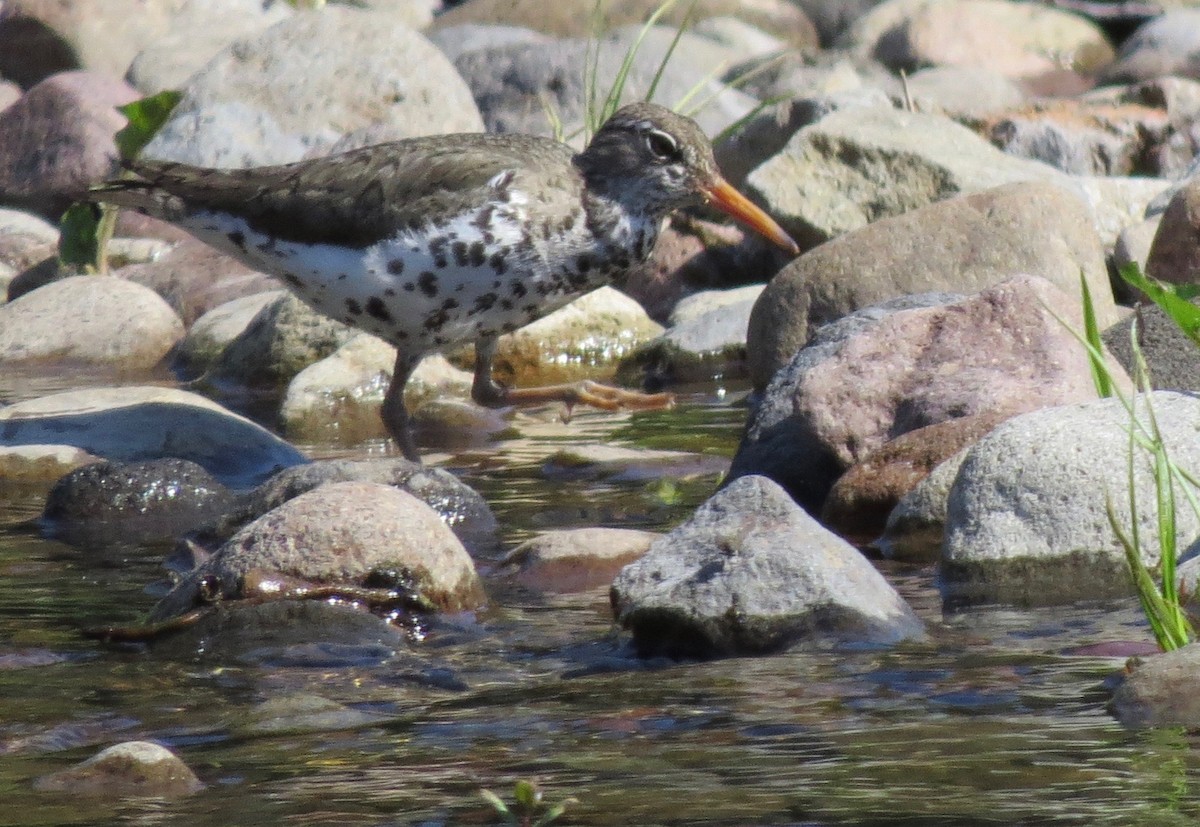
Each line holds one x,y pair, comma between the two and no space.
1101,377
78,240
146,117
1172,298
526,794
499,806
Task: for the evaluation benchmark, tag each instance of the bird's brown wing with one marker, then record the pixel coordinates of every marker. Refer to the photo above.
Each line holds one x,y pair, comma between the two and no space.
357,197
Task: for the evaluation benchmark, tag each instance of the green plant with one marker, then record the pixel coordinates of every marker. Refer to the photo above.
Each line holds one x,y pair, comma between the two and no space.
85,228
1160,599
527,800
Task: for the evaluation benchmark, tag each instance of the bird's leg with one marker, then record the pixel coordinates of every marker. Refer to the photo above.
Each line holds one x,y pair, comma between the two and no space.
395,415
488,392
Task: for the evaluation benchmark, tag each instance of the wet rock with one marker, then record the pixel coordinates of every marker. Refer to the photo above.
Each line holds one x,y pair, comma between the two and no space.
1001,351
750,572
1015,39
575,560
344,533
577,341
861,500
863,164
1027,516
1175,252
100,320
1166,45
1160,691
137,423
129,769
962,244
195,32
284,338
618,464
292,714
194,278
459,506
305,81
58,138
133,503
916,526
40,464
209,335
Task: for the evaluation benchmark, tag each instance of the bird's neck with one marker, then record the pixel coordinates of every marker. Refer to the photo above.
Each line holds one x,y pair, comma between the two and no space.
621,226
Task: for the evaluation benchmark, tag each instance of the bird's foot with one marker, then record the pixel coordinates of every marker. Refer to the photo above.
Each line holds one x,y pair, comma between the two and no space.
587,392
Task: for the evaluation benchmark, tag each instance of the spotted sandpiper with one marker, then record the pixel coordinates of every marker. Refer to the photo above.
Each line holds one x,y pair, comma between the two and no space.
431,242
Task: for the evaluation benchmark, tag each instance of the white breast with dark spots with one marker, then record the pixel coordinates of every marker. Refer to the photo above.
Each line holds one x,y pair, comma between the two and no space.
484,272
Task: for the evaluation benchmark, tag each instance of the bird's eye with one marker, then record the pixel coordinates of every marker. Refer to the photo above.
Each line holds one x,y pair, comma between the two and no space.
663,146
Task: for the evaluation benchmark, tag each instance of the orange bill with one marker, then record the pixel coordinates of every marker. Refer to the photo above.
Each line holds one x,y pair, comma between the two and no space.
724,197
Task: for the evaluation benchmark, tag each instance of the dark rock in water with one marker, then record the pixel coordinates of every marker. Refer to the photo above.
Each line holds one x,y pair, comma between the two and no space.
1163,690
751,572
134,768
460,507
135,502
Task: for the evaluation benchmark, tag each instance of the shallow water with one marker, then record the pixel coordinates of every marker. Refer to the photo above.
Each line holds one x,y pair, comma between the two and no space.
995,720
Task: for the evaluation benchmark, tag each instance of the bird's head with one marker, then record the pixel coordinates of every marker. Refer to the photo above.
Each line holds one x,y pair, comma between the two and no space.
655,160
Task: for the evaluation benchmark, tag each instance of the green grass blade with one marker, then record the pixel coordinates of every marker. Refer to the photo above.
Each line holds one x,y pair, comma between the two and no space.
613,101
1101,377
1172,298
662,64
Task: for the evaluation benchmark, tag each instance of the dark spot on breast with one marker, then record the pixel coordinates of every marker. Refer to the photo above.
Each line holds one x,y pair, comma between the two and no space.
428,283
343,276
293,279
583,263
478,254
396,266
484,220
531,310
568,223
378,309
518,288
389,292
499,264
354,307
399,334
460,253
484,303
238,239
547,229
509,327
449,304
437,249
409,286
506,304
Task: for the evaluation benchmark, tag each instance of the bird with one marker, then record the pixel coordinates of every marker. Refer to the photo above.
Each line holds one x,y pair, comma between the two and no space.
435,241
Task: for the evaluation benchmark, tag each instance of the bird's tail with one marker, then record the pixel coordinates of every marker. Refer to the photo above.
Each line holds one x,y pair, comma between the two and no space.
139,193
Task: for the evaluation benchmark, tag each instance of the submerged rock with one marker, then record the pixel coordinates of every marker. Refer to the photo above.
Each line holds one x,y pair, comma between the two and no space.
1161,691
134,768
576,560
751,572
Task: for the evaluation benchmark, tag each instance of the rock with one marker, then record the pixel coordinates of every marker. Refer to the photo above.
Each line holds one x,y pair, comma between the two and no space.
514,83
861,500
617,464
284,338
1002,351
962,92
1083,138
58,138
833,17
98,320
750,572
209,335
575,560
1175,252
130,424
916,526
707,346
293,714
574,18
1166,45
1180,99
338,398
196,31
459,506
308,80
1132,247
194,278
962,244
25,239
1160,691
580,340
40,464
1020,40
132,768
1027,519
343,533
863,164
1172,357
133,503
1117,203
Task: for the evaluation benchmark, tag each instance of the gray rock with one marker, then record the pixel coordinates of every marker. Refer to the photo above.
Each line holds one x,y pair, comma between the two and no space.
129,769
1001,351
1116,202
1172,357
344,533
575,560
58,138
98,320
962,92
306,81
1132,247
1174,254
196,31
1027,519
1161,691
917,525
133,503
284,338
210,334
1167,45
962,244
460,507
861,164
750,572
137,423
463,38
